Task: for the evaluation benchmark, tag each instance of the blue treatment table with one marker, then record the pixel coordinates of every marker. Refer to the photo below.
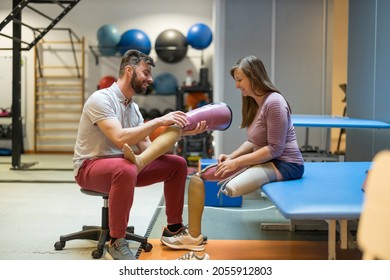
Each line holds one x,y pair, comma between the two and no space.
329,191
336,122
328,121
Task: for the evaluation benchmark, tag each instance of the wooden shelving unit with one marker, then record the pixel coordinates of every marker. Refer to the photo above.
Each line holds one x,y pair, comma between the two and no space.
59,94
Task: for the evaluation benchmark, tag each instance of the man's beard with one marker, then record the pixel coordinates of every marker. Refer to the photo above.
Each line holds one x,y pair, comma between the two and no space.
137,84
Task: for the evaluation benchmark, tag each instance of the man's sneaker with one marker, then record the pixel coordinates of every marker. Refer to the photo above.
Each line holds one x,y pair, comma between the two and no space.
119,250
168,233
191,256
182,240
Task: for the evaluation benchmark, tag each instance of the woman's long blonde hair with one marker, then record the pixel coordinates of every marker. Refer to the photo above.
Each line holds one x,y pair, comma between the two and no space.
254,69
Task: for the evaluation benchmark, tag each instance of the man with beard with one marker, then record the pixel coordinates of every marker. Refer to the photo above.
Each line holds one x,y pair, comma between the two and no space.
110,119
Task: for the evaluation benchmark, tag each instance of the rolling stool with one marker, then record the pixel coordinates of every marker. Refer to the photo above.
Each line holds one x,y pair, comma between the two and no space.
101,233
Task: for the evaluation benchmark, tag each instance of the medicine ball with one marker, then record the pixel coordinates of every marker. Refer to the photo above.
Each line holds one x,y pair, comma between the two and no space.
157,132
168,110
171,46
154,113
144,113
106,82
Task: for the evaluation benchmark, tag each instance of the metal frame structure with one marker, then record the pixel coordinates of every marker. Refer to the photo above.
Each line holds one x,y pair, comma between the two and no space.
16,18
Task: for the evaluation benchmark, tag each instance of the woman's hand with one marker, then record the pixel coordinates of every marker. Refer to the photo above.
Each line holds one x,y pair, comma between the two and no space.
225,167
223,157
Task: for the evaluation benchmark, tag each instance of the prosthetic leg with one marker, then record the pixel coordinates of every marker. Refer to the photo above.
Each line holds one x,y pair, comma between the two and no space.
159,146
196,197
218,116
242,182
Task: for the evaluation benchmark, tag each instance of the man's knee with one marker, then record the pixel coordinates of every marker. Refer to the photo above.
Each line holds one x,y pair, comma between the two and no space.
127,171
175,159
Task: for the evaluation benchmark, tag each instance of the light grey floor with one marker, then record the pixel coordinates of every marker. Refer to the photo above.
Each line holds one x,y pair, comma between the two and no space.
38,205
41,203
245,222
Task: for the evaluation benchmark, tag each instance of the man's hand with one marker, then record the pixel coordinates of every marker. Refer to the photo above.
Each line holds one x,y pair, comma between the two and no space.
200,128
178,118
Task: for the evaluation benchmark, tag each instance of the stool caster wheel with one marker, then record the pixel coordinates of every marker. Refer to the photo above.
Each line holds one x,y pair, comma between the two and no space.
97,254
130,229
147,247
59,245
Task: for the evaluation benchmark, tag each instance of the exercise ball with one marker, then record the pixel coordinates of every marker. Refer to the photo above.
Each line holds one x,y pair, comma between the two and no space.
165,84
157,132
199,36
154,113
106,82
144,113
171,46
134,39
167,111
107,50
194,99
108,37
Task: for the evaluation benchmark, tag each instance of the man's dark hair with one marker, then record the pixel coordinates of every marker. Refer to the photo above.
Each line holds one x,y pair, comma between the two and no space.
133,58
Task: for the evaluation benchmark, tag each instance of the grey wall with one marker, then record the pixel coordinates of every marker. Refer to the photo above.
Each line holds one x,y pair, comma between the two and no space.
247,31
291,39
368,76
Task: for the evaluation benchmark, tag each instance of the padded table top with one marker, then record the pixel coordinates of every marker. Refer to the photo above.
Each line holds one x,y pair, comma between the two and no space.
336,122
327,190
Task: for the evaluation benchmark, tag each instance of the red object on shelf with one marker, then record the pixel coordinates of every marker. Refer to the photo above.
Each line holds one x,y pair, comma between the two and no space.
106,82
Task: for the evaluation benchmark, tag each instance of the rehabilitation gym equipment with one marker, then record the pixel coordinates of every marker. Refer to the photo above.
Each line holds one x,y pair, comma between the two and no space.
106,82
134,39
171,46
218,116
108,37
15,16
199,36
165,84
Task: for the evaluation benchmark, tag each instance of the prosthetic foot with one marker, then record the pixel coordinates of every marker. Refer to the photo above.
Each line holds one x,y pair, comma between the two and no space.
129,155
